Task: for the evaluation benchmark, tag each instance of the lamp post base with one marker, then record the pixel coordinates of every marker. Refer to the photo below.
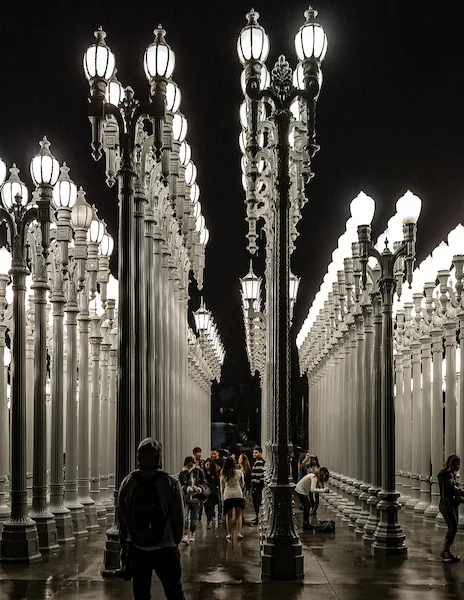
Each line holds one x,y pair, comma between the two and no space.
47,531
111,558
77,513
389,537
90,511
282,562
64,525
20,542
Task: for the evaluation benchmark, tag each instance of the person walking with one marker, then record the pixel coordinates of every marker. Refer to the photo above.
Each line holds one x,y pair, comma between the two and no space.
312,483
212,478
245,467
191,479
232,496
257,481
450,499
150,512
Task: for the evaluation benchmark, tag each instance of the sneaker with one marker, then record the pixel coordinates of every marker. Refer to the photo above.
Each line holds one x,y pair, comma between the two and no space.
192,537
185,539
240,536
208,525
446,556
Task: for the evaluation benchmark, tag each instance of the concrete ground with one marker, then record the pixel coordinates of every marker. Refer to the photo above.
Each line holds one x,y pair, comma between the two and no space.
337,566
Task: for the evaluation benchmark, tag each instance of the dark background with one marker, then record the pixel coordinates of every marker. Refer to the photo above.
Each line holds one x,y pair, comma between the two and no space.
390,118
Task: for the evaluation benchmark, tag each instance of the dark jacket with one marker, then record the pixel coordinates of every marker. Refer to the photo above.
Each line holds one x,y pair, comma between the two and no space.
450,495
170,494
189,478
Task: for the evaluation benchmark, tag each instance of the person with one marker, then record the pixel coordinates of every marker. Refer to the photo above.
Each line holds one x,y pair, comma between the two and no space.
244,465
232,496
312,483
257,481
197,456
312,467
141,554
212,478
450,499
191,479
217,459
303,463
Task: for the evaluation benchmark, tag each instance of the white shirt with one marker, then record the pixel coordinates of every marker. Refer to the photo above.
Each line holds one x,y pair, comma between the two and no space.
308,484
232,488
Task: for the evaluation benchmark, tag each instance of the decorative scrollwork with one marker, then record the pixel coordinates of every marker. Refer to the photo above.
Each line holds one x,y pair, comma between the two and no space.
281,78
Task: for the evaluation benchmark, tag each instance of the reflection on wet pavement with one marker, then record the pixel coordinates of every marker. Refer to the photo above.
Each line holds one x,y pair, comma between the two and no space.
337,566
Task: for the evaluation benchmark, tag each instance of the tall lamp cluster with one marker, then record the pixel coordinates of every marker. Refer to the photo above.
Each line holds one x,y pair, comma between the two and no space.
57,261
346,349
209,341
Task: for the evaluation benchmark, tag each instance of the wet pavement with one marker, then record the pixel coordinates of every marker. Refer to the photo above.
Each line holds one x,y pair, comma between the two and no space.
337,566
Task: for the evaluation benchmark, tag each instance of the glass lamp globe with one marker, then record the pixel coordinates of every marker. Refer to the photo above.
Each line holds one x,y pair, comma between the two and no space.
185,153
81,214
362,209
408,207
172,96
98,59
196,209
242,142
395,228
264,79
190,173
159,59
311,40
244,182
202,318
295,109
5,261
253,42
106,246
243,115
14,187
112,288
114,91
179,127
2,172
456,240
442,257
251,285
96,231
293,287
204,236
65,190
45,169
194,193
200,223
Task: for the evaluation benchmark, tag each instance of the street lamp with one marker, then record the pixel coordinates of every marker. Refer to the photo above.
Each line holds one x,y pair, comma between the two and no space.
282,556
388,537
19,536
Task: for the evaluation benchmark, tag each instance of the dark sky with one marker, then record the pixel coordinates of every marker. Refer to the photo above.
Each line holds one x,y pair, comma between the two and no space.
390,115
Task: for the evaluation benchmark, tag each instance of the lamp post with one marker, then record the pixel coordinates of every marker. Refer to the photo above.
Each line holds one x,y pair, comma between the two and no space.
127,115
5,266
389,537
282,556
19,536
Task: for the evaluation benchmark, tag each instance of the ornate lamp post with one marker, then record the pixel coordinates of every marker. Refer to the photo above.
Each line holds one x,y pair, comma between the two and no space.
282,556
388,537
5,266
19,536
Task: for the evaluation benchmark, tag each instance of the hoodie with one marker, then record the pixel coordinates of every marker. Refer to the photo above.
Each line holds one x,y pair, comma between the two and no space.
149,455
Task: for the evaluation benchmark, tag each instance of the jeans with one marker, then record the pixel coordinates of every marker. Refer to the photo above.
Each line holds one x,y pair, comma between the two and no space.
306,506
192,510
314,501
165,563
257,496
451,516
210,504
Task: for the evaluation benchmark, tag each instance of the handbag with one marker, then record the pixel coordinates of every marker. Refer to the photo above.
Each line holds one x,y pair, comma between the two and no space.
325,526
206,492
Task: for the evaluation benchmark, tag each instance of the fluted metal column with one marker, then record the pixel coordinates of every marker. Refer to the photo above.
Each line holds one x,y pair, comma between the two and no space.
450,391
113,369
57,507
399,405
44,519
406,425
437,421
83,483
20,541
416,423
157,334
30,345
95,441
4,426
426,433
105,432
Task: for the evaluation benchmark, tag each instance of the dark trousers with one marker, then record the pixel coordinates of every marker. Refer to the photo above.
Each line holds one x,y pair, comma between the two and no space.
210,504
313,501
192,509
165,563
257,496
451,516
306,506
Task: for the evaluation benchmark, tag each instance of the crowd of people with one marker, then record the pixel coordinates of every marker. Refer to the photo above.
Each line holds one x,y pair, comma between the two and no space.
220,488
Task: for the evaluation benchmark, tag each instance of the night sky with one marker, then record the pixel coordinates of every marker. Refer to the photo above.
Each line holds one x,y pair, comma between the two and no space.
389,117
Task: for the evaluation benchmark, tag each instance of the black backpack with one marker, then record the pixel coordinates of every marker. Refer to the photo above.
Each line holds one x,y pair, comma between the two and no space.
147,520
325,526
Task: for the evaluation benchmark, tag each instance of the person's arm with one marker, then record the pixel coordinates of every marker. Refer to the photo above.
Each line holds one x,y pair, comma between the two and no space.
176,512
123,515
316,490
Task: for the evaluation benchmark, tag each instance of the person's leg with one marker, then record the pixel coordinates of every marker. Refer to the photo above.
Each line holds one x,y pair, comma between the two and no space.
450,533
188,515
167,567
316,502
453,526
238,522
229,523
254,496
306,507
195,511
141,566
311,502
209,509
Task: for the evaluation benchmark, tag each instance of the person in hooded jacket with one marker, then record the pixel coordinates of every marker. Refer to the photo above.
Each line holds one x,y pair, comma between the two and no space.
191,479
450,499
139,562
